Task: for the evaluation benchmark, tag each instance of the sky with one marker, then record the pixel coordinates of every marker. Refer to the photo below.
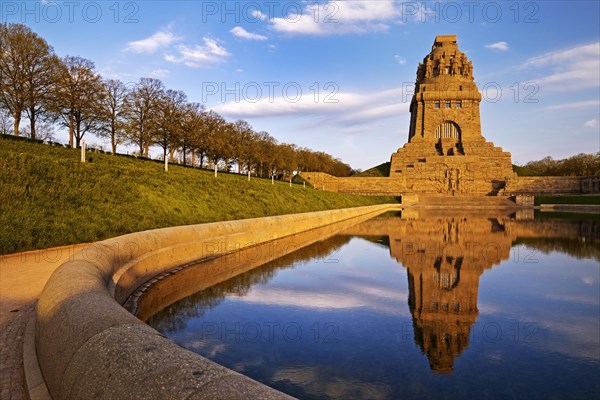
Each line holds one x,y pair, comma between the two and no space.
338,76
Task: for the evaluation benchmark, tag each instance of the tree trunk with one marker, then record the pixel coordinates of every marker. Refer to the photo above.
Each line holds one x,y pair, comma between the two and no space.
71,118
171,154
77,139
78,134
16,123
32,121
113,138
193,158
141,144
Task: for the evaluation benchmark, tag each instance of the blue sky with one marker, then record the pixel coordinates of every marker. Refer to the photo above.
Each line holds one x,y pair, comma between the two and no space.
337,76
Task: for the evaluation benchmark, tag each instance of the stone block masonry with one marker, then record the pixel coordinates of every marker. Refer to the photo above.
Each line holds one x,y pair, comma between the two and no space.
446,154
535,186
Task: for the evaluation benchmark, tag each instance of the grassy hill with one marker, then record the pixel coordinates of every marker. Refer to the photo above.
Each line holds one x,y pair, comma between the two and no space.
381,170
49,198
524,171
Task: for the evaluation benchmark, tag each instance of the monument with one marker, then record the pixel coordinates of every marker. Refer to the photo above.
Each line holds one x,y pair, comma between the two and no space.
446,152
447,160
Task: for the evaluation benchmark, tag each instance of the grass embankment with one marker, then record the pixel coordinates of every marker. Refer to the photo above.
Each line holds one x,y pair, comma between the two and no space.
586,199
524,171
48,198
379,171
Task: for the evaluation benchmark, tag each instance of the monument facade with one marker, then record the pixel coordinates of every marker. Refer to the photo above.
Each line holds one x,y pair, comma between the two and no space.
446,153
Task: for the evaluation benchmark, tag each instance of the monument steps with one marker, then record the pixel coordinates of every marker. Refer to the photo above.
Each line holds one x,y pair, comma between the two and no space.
465,202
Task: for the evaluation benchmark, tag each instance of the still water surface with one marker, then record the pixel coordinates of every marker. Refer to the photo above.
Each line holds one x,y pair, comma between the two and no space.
427,306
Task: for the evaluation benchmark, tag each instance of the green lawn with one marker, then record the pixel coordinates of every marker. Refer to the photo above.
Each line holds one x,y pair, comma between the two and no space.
381,170
49,198
524,171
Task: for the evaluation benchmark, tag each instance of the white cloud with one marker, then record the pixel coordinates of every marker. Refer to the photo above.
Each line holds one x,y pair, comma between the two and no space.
501,46
422,14
342,387
159,73
152,44
341,108
401,60
175,50
259,15
197,56
338,17
239,70
567,70
241,33
592,123
350,295
588,280
575,105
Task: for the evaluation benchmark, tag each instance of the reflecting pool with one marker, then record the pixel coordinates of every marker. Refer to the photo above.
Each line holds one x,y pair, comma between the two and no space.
412,305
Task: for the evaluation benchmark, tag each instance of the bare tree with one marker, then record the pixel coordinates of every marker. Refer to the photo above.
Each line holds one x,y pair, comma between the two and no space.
43,131
77,98
242,136
41,84
5,121
194,132
215,132
112,111
264,149
171,115
142,111
27,63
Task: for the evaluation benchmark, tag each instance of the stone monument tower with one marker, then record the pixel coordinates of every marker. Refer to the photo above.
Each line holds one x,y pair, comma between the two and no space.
446,156
446,153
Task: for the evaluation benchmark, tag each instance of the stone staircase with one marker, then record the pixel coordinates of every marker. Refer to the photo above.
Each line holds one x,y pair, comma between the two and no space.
465,202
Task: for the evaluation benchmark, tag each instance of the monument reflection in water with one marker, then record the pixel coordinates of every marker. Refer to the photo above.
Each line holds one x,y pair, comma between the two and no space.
538,336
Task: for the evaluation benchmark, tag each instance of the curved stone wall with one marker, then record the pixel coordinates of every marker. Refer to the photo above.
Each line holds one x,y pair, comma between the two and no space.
89,346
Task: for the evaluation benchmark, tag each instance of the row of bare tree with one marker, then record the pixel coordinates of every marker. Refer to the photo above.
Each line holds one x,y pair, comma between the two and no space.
37,84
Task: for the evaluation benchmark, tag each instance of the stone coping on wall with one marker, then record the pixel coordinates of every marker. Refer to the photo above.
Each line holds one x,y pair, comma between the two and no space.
88,346
396,186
